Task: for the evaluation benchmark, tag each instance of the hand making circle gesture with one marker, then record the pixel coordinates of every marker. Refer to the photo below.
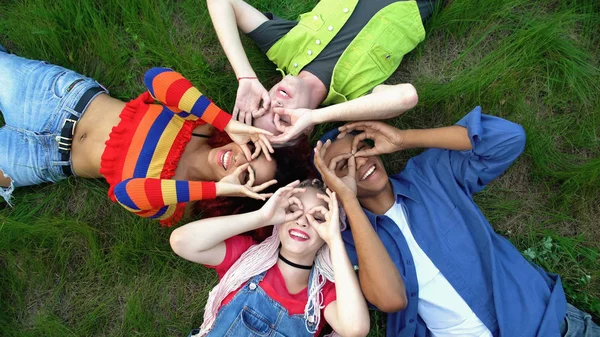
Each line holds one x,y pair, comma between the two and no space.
242,134
240,184
292,122
326,221
250,93
345,164
277,209
387,138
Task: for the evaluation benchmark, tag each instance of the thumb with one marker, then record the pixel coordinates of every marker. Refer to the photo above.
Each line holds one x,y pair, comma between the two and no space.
282,111
266,100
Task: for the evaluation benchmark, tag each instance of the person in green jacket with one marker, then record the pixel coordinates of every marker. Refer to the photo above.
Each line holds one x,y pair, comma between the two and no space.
340,52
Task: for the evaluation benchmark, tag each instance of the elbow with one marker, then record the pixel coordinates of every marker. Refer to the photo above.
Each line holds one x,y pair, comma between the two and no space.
407,95
177,241
520,137
361,329
392,303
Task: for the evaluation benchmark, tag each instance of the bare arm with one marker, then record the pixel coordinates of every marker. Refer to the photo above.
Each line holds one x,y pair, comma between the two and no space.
252,99
386,101
202,241
227,16
348,314
379,278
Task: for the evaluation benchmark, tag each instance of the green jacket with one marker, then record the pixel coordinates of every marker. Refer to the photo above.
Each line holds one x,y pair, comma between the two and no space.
371,57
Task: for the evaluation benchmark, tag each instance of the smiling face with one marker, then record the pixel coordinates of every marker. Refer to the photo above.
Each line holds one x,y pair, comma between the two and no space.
371,177
298,237
291,92
225,159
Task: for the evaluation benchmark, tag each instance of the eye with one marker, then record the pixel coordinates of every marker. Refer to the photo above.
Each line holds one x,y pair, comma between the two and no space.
245,177
342,164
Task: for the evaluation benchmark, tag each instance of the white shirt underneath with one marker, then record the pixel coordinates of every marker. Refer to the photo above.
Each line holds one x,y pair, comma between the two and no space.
440,306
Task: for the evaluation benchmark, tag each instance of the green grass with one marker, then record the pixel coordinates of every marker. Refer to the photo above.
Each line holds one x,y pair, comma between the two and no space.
74,264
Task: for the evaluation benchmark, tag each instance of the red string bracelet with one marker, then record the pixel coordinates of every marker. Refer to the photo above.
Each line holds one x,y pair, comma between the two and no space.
247,78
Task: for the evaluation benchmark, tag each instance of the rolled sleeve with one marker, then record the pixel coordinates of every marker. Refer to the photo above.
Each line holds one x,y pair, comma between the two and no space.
496,145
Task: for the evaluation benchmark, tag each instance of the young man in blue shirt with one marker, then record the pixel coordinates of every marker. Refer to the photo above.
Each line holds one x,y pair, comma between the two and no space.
459,277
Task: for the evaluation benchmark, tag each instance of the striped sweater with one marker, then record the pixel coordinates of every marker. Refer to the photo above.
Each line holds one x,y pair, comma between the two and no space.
143,150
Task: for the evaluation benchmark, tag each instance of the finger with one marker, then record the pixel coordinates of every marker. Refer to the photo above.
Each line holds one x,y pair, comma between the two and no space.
318,209
264,185
241,169
277,121
247,152
267,143
354,125
296,201
325,147
248,192
282,111
257,150
359,138
258,113
251,177
293,216
266,100
263,148
367,153
335,160
352,167
312,221
323,197
235,114
248,118
293,183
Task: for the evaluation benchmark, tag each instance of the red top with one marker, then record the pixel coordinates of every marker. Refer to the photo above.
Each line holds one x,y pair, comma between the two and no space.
273,283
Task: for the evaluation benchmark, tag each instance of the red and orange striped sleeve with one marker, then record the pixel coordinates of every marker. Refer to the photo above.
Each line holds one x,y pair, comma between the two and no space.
179,95
147,194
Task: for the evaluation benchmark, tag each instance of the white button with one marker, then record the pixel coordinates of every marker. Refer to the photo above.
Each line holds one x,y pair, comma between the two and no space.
309,52
318,42
252,286
295,65
345,10
315,17
330,28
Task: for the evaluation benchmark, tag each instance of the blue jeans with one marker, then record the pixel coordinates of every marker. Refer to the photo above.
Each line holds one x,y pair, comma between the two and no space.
578,324
35,99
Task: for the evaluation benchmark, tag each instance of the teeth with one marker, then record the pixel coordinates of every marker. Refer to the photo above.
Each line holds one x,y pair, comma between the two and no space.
296,234
283,93
226,157
368,173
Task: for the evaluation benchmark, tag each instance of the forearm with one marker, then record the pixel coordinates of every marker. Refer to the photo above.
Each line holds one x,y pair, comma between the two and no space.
450,138
205,234
379,278
381,104
350,303
151,193
224,20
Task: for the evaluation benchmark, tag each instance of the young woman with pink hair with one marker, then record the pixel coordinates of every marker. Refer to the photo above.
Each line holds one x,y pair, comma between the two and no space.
284,285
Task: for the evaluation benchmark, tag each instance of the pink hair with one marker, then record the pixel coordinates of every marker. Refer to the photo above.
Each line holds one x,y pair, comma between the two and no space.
260,258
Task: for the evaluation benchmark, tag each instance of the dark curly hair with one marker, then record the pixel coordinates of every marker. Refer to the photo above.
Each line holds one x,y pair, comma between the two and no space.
293,163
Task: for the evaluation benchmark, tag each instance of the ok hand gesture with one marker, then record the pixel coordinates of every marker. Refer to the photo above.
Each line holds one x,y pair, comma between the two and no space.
388,139
344,163
240,184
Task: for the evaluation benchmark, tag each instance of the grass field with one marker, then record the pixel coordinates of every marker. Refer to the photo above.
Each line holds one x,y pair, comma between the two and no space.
74,264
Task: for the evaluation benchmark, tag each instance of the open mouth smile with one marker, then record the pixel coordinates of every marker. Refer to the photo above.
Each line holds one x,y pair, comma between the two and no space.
225,159
298,235
368,173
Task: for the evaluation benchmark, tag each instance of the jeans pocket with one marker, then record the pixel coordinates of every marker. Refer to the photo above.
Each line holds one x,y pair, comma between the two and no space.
64,81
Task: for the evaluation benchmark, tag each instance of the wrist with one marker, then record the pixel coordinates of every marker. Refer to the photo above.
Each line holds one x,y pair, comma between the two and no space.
247,78
335,242
349,200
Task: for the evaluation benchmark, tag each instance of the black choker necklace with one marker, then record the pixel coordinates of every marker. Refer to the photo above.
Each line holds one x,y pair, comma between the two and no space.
295,265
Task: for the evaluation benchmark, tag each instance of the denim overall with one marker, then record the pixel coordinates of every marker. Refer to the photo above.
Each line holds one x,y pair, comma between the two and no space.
252,313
